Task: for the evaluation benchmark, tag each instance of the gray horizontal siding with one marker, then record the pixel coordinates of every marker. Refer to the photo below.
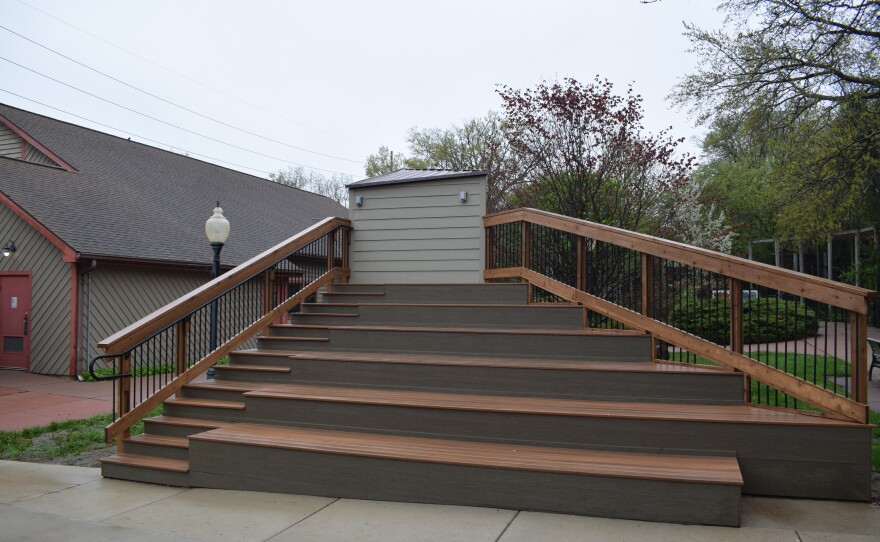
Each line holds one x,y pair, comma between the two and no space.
418,232
50,293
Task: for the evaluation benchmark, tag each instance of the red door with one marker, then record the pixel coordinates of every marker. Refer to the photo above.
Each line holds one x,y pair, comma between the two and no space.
15,316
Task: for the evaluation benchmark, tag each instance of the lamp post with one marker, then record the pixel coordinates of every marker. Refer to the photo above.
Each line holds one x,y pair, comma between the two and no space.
217,230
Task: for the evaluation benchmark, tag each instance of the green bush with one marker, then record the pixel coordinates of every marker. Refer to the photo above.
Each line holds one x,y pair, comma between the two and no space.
766,319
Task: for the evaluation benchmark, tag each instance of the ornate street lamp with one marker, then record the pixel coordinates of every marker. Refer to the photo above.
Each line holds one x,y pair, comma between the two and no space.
217,230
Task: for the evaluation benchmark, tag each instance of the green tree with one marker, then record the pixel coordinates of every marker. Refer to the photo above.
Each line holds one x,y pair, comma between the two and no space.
587,156
477,144
311,181
799,83
384,161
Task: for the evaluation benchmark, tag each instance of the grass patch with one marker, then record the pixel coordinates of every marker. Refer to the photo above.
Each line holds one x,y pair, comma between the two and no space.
142,370
874,418
61,439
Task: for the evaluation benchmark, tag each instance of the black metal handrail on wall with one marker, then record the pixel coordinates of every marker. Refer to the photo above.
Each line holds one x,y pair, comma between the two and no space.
801,340
154,357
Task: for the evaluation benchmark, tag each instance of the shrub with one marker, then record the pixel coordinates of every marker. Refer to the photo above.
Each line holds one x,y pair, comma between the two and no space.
766,319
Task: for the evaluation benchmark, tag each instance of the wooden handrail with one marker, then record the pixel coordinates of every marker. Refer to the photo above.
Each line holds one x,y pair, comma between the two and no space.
124,422
784,382
819,289
172,312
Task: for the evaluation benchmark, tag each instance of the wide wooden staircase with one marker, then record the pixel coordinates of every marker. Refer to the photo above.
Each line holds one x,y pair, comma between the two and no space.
468,394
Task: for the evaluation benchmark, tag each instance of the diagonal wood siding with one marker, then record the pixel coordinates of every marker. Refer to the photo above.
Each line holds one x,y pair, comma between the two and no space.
122,294
10,143
50,298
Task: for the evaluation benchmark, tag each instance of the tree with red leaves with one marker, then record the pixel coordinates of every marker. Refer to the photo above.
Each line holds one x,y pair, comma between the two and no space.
587,154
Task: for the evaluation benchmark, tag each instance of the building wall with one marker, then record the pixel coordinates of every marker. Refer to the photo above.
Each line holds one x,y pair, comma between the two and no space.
418,232
11,145
114,296
50,292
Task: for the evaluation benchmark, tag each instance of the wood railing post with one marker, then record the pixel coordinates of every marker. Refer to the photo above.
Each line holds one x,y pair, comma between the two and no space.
123,397
858,337
648,295
181,332
735,296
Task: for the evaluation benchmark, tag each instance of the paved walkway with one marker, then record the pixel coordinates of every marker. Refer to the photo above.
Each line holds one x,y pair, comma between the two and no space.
50,503
28,400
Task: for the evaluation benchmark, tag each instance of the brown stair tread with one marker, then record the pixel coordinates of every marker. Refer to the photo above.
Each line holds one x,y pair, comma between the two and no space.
206,403
510,363
187,422
354,293
699,469
344,314
228,385
301,339
160,440
256,368
148,462
545,405
467,305
516,331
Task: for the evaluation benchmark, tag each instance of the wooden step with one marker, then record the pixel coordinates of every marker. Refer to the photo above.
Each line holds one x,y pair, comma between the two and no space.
608,345
716,470
643,381
159,440
477,315
343,294
196,423
147,462
509,363
333,314
253,368
547,406
474,330
204,403
661,487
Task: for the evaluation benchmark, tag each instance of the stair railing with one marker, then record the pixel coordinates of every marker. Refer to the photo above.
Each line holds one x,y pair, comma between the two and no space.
800,340
153,358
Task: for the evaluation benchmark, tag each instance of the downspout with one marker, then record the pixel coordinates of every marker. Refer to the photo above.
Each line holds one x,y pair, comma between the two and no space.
84,339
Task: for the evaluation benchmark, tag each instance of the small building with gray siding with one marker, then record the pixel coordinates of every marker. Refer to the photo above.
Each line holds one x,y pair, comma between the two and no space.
106,230
418,225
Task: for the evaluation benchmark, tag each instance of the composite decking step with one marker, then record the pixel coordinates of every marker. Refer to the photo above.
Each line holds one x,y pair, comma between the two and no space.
179,421
160,440
205,403
253,368
476,361
713,470
148,462
545,406
474,330
333,314
343,294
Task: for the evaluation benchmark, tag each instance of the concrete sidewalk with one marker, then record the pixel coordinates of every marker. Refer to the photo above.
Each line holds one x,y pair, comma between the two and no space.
29,400
70,504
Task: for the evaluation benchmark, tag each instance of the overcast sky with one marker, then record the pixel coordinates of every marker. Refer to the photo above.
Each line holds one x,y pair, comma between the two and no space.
336,78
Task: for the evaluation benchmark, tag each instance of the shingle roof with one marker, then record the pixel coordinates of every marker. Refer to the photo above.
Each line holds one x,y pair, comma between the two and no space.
130,200
415,175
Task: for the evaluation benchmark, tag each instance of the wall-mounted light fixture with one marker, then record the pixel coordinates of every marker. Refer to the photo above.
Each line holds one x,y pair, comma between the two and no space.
9,249
462,196
359,201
